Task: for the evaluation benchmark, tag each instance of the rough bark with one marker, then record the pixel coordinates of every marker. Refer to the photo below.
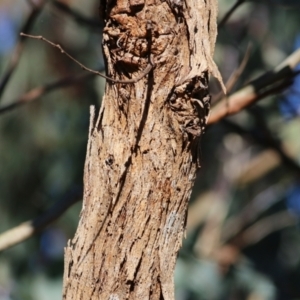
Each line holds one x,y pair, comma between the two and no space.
143,150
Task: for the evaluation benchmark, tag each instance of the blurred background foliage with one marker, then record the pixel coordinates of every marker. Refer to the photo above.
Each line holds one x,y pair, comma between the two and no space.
243,238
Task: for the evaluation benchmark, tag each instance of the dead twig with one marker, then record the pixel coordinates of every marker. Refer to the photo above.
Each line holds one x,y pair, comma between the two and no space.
145,72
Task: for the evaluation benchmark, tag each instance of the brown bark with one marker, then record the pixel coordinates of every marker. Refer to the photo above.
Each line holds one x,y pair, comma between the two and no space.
142,154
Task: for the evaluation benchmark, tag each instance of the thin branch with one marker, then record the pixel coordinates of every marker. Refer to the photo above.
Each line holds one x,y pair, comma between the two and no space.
267,141
260,165
27,229
78,17
257,206
38,92
15,57
230,12
147,70
266,226
235,75
267,84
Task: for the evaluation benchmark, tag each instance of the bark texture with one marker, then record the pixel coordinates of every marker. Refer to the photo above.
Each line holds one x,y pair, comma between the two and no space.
142,154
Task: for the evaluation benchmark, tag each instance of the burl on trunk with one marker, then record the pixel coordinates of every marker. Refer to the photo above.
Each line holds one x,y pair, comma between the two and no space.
143,149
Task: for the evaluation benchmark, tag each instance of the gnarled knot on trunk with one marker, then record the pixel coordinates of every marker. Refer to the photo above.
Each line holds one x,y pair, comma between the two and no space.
190,103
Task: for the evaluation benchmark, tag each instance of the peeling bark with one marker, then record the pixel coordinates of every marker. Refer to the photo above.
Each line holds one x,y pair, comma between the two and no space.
143,150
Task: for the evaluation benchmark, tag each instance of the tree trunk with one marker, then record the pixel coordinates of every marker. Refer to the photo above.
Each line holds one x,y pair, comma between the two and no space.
142,154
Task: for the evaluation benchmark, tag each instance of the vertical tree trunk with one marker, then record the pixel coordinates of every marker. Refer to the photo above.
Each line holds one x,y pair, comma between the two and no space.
142,153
